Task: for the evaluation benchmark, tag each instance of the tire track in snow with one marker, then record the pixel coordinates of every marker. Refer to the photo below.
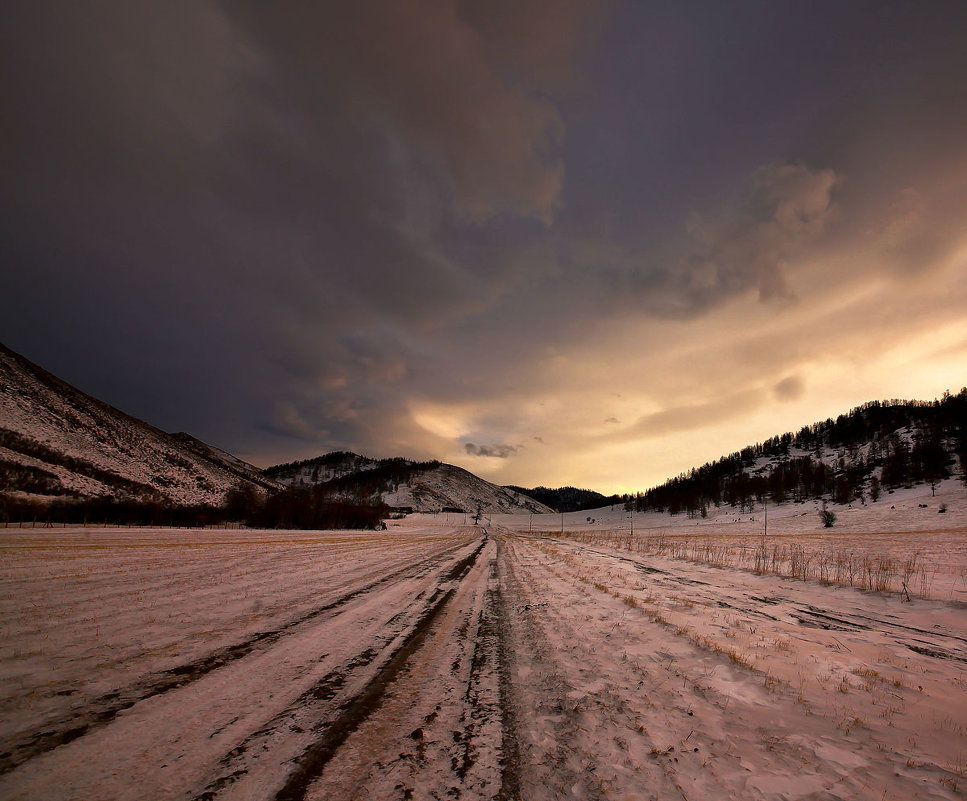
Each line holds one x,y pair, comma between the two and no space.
939,643
822,746
547,761
326,711
629,719
440,731
510,761
105,708
356,710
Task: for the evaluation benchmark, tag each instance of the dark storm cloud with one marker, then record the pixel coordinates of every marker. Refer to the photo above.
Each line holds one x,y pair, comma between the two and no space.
302,226
464,86
788,207
275,181
745,245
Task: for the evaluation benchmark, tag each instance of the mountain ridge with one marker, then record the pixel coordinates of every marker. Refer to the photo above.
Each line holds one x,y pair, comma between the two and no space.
56,441
404,484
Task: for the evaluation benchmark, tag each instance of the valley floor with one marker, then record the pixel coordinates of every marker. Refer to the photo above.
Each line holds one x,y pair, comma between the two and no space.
436,661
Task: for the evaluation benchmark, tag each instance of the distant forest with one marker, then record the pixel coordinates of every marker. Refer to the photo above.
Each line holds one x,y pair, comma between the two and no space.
291,508
566,499
876,447
385,476
326,460
366,478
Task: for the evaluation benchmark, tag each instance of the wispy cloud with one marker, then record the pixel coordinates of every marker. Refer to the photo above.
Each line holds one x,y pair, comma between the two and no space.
495,451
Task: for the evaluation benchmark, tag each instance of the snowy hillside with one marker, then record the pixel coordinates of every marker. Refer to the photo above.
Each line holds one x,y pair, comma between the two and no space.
401,484
874,449
56,441
325,468
453,487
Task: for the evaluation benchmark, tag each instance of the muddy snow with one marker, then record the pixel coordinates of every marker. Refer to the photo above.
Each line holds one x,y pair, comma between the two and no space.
507,660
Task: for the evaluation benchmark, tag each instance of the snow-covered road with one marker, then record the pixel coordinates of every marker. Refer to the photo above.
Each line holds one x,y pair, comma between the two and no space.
431,662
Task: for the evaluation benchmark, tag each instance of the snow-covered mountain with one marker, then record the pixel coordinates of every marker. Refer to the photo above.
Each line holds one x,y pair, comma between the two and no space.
401,484
56,441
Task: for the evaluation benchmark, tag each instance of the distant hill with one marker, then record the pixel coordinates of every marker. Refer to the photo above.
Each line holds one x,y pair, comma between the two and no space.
872,450
58,442
566,499
320,469
404,484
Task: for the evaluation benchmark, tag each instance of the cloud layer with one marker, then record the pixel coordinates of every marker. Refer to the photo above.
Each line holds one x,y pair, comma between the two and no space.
631,237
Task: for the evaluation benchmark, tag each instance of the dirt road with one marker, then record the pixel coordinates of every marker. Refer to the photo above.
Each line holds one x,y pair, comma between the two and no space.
490,665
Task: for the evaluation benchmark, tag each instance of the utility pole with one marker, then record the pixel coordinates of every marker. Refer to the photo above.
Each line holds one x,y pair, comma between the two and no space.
562,522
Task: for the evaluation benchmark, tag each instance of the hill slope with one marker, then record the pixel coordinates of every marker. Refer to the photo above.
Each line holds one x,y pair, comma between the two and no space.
321,469
56,441
565,499
400,483
876,448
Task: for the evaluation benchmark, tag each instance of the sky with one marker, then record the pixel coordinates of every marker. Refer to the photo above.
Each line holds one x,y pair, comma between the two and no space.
556,242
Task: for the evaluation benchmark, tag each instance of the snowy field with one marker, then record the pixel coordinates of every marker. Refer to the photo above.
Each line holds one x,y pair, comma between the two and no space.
435,660
902,538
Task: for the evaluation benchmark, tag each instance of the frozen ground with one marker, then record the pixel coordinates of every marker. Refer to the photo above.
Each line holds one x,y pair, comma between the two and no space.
903,537
435,661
